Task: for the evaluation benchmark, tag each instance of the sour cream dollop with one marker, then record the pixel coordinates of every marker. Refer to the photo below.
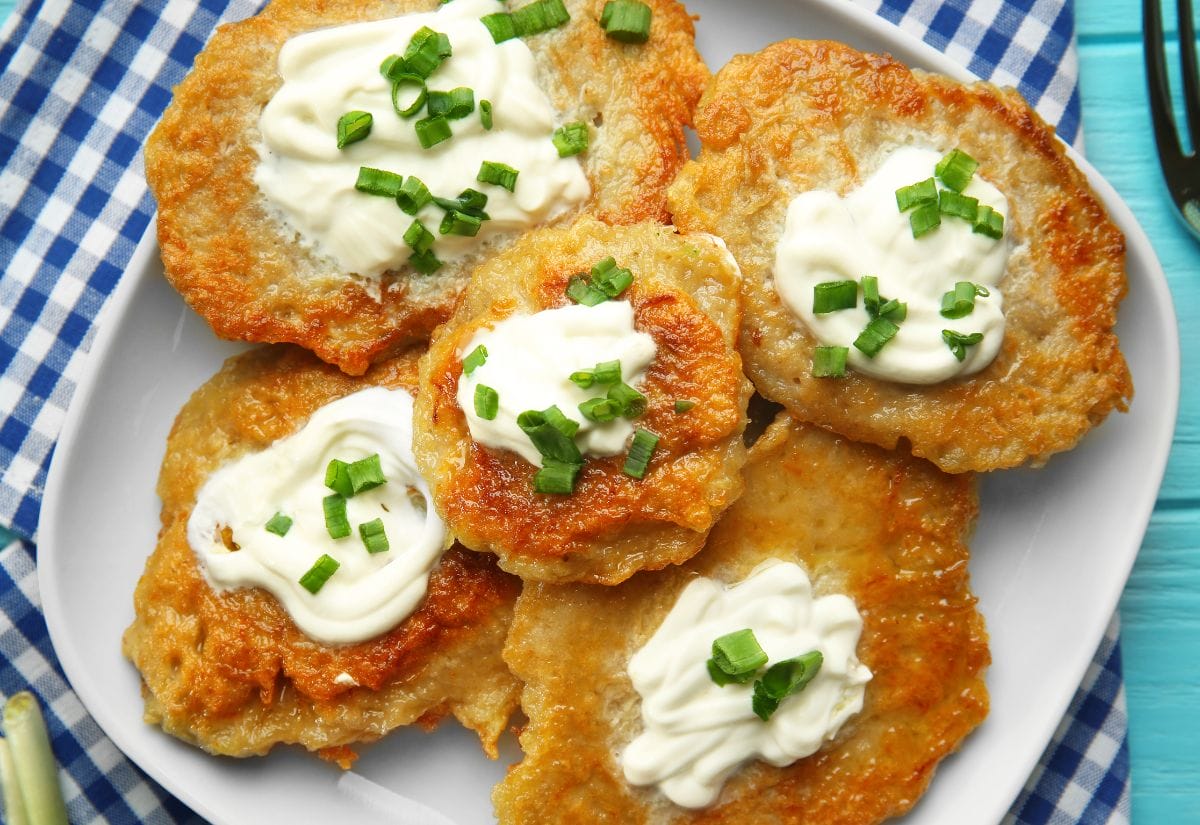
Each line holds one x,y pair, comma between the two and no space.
330,72
529,364
370,593
697,733
830,238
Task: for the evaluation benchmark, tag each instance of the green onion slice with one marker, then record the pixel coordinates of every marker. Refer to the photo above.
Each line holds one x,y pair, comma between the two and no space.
682,405
878,332
581,291
956,170
374,536
611,279
571,139
501,25
319,573
791,676
487,402
640,452
413,195
924,219
500,174
279,524
604,373
418,238
378,182
420,94
763,704
600,410
958,341
454,104
337,477
959,302
335,516
550,441
392,67
433,130
556,477
455,222
629,402
626,20
834,295
917,194
485,114
426,51
424,262
738,654
365,474
829,362
556,419
475,359
988,222
958,206
353,127
532,19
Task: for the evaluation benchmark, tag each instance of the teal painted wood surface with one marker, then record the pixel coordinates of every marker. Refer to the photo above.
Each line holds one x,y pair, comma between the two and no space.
1161,606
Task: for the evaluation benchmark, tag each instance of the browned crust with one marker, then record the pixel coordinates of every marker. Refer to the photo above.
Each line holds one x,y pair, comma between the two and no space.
887,530
803,115
685,296
238,268
231,672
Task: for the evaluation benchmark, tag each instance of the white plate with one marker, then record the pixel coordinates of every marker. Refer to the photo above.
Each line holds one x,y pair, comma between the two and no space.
1051,554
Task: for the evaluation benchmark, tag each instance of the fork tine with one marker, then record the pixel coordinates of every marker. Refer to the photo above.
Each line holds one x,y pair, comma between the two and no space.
1160,91
1187,54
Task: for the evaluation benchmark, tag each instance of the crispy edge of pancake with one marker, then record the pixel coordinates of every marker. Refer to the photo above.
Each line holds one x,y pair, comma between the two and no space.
685,294
231,672
245,273
804,115
886,529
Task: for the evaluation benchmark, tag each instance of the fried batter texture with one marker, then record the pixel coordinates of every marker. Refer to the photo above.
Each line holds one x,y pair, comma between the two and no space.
685,294
886,529
245,272
231,672
799,116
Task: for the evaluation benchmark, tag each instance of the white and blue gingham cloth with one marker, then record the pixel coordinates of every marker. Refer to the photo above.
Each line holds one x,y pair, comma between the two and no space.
81,85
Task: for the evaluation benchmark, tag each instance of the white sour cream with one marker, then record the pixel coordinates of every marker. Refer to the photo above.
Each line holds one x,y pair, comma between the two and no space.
829,238
371,592
529,364
697,733
332,71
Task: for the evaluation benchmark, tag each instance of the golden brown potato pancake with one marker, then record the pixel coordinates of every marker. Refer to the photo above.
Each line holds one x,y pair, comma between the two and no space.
799,116
231,672
241,269
886,529
685,296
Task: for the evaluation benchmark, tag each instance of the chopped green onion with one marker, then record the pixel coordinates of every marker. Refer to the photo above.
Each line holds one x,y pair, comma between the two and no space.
365,474
469,202
958,342
279,524
871,299
582,292
485,114
988,222
738,655
763,704
419,98
829,362
454,104
956,170
556,419
571,139
487,402
374,536
893,310
630,403
32,762
924,219
337,477
319,573
392,67
501,174
335,516
878,332
551,442
426,51
626,20
455,222
600,410
353,127
418,238
640,452
556,477
433,130
413,195
501,25
424,262
791,676
917,194
834,295
683,405
611,279
720,677
606,372
532,19
475,359
378,182
960,301
958,206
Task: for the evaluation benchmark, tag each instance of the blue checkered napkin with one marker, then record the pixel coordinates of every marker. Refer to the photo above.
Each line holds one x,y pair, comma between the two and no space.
81,85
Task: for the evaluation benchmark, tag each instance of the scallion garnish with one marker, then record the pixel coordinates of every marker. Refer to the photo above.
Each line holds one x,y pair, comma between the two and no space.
917,194
365,474
353,127
571,139
485,114
958,206
426,51
784,679
378,182
550,441
556,419
335,516
532,19
630,403
392,67
475,359
960,301
737,655
878,332
988,222
501,25
832,296
626,20
556,477
413,195
871,299
958,341
829,362
683,405
487,402
424,262
455,222
600,410
611,279
893,310
374,536
956,170
500,174
581,291
418,238
454,104
410,81
640,452
606,372
433,130
924,219
337,478
279,524
319,573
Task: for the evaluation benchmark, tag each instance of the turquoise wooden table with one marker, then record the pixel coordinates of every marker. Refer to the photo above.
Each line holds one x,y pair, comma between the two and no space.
1161,606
